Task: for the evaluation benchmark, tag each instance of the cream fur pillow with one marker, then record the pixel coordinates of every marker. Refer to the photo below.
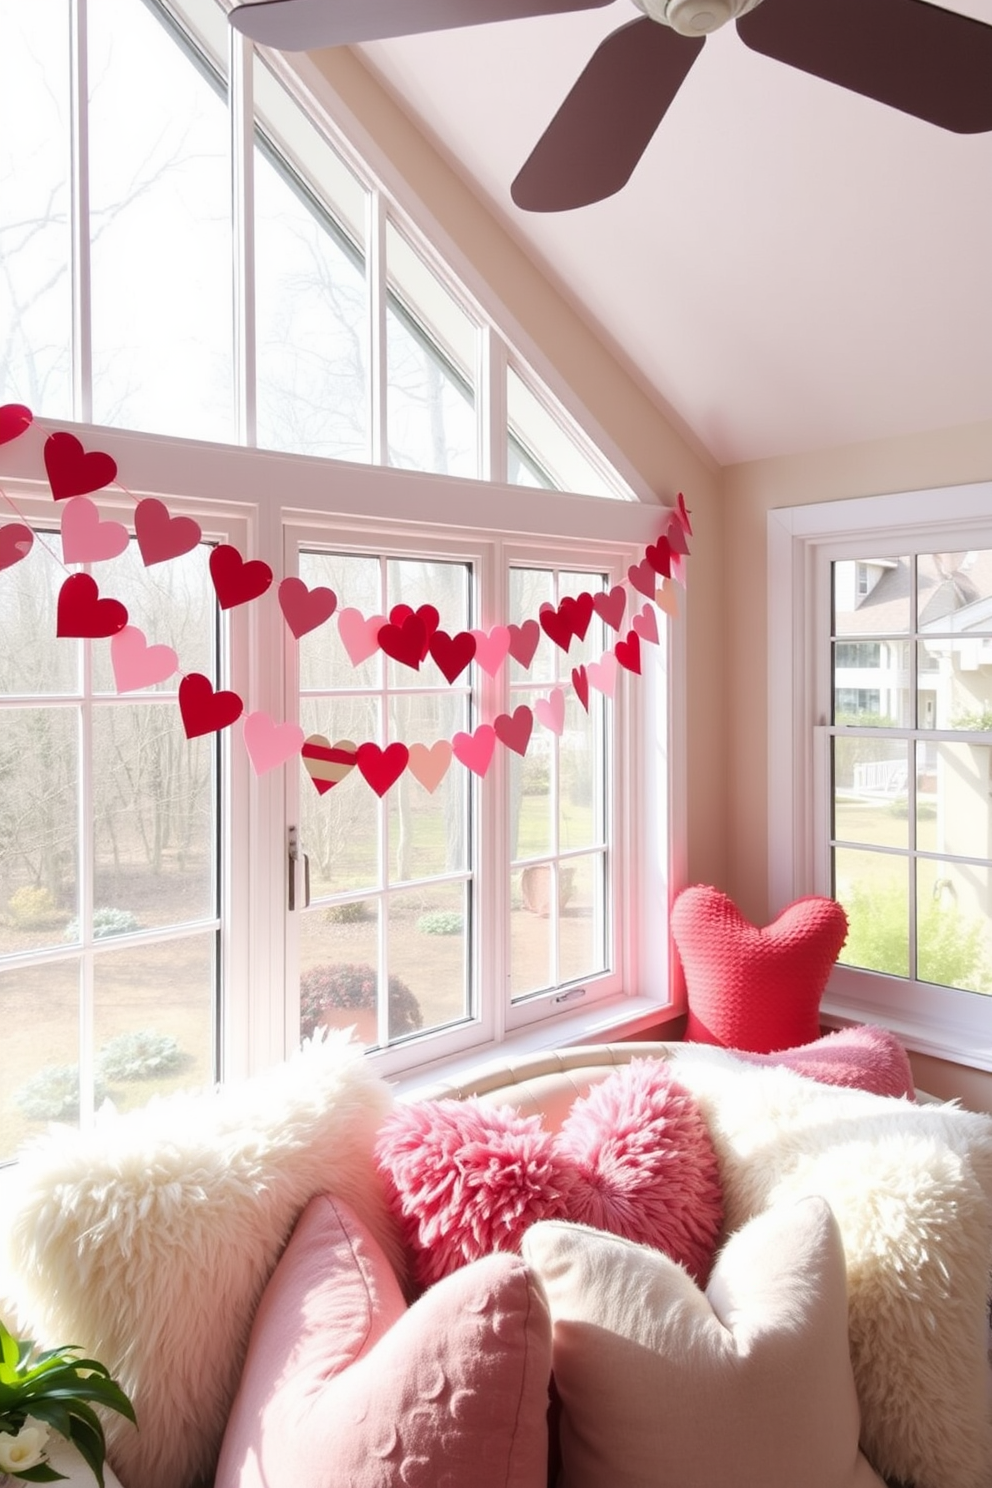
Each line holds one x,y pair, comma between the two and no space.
748,1383
149,1240
911,1188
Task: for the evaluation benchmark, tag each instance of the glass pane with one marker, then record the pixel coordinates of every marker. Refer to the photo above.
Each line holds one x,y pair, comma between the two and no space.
532,893
431,360
35,289
339,956
173,604
39,1051
870,785
153,1019
580,768
582,926
428,830
542,451
955,682
311,306
530,588
954,590
161,230
32,661
531,798
39,834
340,827
325,661
428,957
874,889
872,596
154,804
954,925
953,799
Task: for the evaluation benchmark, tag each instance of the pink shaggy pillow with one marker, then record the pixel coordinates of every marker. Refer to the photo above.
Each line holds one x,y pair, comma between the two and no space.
861,1058
633,1157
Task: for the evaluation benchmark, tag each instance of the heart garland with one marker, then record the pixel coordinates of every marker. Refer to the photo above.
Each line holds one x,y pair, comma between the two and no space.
407,636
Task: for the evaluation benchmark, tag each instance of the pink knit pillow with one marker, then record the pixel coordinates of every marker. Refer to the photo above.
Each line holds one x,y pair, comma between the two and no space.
634,1157
861,1058
755,988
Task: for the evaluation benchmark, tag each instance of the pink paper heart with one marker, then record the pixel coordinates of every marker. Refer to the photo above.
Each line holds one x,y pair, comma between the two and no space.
304,609
475,750
269,743
515,730
430,765
136,664
160,535
643,578
675,532
85,539
524,641
646,624
358,635
16,542
602,674
682,513
610,607
492,648
551,711
667,599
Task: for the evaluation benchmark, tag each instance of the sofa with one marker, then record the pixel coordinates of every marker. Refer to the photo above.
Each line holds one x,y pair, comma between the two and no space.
617,1265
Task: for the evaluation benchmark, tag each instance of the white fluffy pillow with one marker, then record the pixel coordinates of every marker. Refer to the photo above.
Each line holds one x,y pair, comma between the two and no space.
148,1240
747,1384
911,1187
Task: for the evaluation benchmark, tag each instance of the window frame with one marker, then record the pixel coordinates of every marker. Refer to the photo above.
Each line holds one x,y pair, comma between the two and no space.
802,542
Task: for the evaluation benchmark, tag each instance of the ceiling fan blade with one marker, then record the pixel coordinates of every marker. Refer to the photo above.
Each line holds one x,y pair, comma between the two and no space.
596,138
911,55
300,25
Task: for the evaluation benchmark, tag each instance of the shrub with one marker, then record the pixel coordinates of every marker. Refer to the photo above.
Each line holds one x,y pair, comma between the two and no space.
139,1056
33,908
106,922
352,912
951,945
353,988
53,1093
441,922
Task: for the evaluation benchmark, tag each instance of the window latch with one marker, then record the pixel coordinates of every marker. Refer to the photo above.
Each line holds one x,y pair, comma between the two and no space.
295,855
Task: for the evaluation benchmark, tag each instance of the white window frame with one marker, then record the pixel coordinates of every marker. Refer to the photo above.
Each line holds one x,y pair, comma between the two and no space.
251,495
803,541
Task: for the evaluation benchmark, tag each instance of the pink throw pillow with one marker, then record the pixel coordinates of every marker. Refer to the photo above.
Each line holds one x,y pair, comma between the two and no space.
860,1058
755,989
634,1157
344,1387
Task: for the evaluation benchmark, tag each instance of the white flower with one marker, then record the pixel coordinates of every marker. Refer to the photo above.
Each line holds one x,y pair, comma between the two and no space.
26,1449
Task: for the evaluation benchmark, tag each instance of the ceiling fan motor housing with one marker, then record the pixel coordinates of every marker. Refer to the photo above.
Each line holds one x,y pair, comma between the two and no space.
695,17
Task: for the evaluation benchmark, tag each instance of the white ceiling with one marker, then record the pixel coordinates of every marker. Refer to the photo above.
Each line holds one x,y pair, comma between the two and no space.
791,267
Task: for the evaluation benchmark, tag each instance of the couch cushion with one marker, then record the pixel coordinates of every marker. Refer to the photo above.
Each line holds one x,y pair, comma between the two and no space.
748,1384
859,1058
344,1387
149,1239
633,1156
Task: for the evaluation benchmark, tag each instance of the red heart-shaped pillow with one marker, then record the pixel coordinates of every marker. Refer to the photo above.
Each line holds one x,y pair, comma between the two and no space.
755,989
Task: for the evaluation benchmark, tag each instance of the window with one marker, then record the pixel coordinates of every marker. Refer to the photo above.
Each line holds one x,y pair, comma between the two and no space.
890,806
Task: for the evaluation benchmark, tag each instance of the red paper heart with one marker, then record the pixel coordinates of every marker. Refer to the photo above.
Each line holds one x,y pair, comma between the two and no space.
755,989
659,555
628,652
524,641
73,471
406,642
452,653
237,581
16,542
682,513
304,609
643,578
426,614
677,540
610,607
382,767
577,609
81,611
580,681
203,710
14,419
515,731
160,535
557,625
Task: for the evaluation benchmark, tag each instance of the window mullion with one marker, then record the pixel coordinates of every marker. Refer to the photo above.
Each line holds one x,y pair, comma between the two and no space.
82,339
241,108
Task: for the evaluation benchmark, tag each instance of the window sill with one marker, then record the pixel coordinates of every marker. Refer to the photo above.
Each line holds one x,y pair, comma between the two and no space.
620,1019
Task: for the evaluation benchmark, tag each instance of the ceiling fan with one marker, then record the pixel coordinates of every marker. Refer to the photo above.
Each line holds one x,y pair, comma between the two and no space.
908,54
